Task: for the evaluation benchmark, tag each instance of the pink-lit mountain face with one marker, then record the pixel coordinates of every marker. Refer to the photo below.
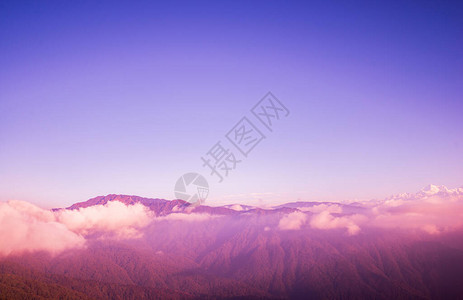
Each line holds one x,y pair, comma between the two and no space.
408,246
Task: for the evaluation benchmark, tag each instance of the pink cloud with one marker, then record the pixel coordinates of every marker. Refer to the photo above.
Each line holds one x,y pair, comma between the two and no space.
325,220
25,227
432,214
114,219
292,221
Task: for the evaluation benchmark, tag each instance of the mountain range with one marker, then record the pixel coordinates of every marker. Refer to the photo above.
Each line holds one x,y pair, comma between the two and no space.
407,246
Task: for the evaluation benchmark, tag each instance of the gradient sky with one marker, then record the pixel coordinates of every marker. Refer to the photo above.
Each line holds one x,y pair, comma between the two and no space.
124,98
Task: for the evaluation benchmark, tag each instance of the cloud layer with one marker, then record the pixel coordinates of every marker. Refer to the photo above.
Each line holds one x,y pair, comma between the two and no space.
26,227
292,221
325,220
433,210
114,219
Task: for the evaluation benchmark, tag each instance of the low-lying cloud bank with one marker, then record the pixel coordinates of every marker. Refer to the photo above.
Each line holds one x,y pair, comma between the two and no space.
432,214
114,219
322,220
433,210
325,220
26,227
292,221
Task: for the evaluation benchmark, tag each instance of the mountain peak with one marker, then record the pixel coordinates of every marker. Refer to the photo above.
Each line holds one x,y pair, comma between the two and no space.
433,189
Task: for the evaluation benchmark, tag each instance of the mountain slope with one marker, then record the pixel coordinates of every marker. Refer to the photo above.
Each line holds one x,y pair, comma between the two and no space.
297,250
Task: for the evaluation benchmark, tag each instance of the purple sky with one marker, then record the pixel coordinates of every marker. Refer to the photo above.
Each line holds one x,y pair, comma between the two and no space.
122,98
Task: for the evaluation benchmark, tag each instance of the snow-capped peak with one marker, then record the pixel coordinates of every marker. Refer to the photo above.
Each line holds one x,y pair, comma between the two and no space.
428,191
432,189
